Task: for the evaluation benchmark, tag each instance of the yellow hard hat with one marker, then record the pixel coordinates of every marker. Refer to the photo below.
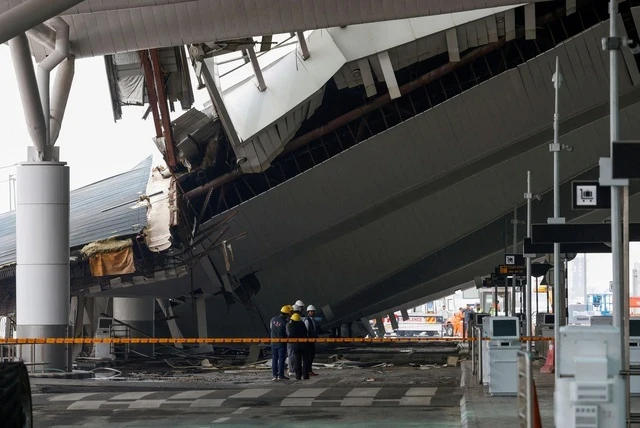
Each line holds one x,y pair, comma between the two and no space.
296,317
290,308
285,309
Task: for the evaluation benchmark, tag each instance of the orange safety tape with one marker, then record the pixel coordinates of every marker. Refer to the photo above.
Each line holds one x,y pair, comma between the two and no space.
209,340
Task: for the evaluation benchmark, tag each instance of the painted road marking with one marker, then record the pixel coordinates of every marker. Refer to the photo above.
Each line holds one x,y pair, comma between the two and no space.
240,410
220,420
356,401
208,402
72,397
251,393
297,402
146,404
415,401
132,395
307,392
86,405
363,392
421,392
187,395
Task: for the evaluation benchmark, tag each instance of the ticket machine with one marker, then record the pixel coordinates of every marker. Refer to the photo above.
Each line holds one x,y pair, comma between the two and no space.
544,328
502,354
103,350
589,390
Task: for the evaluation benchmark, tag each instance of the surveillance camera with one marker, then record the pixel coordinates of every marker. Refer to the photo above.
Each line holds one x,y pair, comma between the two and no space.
538,198
241,160
634,47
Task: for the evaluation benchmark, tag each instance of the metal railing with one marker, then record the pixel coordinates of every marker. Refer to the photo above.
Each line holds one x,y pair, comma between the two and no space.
525,390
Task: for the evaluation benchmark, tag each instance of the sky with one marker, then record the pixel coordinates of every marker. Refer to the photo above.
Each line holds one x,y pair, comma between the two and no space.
95,147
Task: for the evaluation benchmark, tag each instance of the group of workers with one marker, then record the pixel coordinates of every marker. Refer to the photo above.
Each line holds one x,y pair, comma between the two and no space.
291,323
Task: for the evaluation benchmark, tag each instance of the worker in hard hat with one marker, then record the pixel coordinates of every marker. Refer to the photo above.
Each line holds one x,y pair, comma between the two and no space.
296,330
278,326
310,351
295,309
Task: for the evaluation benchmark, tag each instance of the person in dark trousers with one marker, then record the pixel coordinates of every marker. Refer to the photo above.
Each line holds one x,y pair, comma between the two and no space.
296,308
312,332
297,330
278,326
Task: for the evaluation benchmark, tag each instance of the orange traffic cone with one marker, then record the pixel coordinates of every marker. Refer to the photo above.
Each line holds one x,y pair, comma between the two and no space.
549,366
537,420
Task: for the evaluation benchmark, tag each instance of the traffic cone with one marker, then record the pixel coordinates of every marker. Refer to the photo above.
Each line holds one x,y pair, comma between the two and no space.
549,364
537,420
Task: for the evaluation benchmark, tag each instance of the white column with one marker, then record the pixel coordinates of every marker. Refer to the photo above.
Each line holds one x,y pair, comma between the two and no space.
138,312
42,275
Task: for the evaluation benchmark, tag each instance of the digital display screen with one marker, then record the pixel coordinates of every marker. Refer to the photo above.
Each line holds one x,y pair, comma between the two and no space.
505,328
549,319
634,328
105,322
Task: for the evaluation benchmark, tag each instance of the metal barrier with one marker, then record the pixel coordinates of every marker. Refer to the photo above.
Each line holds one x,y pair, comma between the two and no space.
525,390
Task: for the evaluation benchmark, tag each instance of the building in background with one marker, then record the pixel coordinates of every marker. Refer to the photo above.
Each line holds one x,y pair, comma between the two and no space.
577,280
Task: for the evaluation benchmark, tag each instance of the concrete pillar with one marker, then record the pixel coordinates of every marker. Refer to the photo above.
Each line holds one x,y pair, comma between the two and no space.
138,312
42,274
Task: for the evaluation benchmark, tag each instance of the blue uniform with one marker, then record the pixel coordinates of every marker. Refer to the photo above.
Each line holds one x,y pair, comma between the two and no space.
278,326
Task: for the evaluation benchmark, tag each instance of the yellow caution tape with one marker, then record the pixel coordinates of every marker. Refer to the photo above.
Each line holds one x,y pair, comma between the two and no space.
194,341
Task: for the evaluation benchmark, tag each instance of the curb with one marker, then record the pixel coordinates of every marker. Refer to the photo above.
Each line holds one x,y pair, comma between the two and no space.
467,416
72,375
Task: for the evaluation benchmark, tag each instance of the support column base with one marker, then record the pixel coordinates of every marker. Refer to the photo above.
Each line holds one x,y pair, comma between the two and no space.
56,356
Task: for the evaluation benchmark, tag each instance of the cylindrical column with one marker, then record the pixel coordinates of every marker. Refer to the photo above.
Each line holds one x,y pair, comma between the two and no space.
138,313
42,275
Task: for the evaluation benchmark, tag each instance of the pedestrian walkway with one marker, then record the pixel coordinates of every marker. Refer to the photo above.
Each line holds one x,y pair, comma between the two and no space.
249,397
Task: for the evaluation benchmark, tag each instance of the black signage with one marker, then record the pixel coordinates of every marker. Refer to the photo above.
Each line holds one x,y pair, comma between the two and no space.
567,248
578,233
499,281
514,259
625,159
589,195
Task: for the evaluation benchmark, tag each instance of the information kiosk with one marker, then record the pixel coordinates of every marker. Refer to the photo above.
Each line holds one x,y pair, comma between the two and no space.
103,350
502,354
589,389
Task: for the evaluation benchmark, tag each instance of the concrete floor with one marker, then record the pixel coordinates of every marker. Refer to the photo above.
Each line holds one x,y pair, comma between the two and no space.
398,397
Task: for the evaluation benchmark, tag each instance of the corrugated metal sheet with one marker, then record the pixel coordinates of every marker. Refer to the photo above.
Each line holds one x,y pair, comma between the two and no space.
98,211
107,27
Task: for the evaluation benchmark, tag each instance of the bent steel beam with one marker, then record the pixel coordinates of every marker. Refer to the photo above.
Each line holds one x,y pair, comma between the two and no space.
27,15
60,96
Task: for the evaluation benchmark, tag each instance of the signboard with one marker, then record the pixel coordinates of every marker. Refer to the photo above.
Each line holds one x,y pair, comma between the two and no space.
576,248
575,233
625,159
589,195
511,270
514,259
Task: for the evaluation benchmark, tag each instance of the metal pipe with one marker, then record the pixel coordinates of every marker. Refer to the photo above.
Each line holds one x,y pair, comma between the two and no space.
27,15
557,288
514,249
528,290
60,96
43,72
28,87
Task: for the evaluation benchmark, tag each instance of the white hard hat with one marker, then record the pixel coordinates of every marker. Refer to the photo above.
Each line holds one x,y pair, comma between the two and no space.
311,308
300,303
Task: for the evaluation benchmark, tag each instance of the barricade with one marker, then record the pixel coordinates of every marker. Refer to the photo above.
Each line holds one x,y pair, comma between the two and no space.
235,340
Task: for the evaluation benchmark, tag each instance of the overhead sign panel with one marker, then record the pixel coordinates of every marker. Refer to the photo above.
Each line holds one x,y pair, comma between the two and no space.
625,159
567,248
514,259
511,270
589,195
578,233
